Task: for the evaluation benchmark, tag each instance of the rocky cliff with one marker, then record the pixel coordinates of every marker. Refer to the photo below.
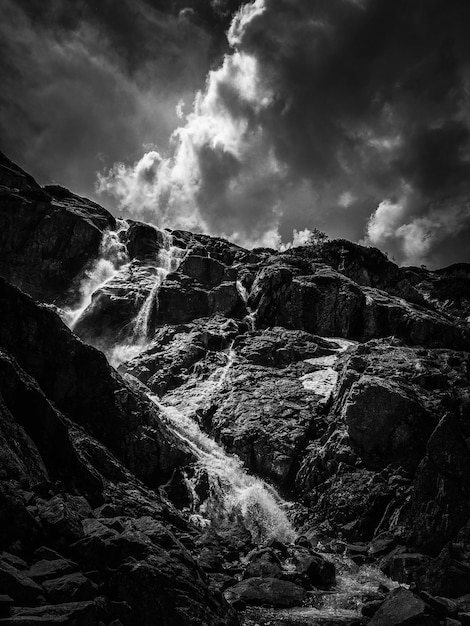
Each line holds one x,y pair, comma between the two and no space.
188,427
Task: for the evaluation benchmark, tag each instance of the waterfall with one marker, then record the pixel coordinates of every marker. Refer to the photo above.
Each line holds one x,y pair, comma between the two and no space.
234,496
168,260
112,257
251,316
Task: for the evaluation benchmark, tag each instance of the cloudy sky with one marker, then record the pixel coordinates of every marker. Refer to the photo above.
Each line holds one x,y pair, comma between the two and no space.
256,120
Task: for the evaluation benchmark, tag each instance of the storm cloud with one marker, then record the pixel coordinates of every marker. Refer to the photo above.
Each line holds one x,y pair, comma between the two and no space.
85,84
350,116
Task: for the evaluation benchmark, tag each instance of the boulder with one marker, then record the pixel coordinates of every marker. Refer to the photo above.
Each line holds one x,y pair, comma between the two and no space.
70,588
205,270
319,571
18,585
404,607
144,241
45,570
266,592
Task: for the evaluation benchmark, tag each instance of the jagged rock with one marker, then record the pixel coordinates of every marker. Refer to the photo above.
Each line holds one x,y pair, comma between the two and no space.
319,571
46,570
407,567
263,564
387,315
205,270
46,237
440,502
18,584
13,177
83,613
325,302
266,591
144,241
403,607
386,420
82,385
72,588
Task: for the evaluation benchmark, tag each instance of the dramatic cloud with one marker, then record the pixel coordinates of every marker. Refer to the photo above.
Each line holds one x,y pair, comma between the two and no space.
348,116
85,84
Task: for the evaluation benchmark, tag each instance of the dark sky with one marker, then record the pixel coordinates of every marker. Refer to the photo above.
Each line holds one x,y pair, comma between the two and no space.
351,116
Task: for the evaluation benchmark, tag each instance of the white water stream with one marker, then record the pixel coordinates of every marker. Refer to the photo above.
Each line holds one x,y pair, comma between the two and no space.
112,258
233,494
251,316
168,259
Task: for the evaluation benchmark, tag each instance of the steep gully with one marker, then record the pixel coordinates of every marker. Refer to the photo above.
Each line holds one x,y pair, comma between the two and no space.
231,496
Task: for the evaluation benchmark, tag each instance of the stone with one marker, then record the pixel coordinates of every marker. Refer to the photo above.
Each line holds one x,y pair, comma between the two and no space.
18,584
70,588
94,394
320,572
266,592
144,241
83,613
47,237
207,271
403,607
46,570
386,420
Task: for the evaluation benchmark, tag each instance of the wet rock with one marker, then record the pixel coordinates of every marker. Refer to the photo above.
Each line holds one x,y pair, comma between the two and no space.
263,564
403,607
144,241
47,236
266,591
319,571
205,270
83,386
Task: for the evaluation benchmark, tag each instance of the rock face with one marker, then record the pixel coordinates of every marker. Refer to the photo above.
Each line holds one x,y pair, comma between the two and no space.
327,370
47,236
74,436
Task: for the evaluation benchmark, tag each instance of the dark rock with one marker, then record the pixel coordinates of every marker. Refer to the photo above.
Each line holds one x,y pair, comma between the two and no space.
407,567
145,241
70,588
82,384
207,271
83,613
18,584
47,237
263,564
386,420
46,570
403,607
266,591
46,554
443,606
13,560
320,572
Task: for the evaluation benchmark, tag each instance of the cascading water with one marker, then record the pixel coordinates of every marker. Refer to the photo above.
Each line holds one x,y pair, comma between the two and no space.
168,260
251,316
112,257
234,496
